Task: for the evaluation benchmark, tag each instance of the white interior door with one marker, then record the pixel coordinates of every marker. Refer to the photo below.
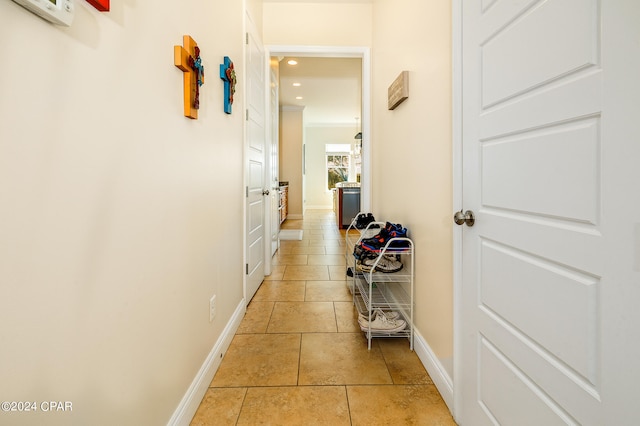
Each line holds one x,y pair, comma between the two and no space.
551,268
256,164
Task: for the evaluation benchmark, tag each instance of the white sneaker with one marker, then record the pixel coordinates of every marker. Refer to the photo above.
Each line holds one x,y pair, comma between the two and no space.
390,315
388,264
381,323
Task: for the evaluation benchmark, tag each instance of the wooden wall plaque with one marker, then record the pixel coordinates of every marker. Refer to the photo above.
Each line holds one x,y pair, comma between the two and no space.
399,90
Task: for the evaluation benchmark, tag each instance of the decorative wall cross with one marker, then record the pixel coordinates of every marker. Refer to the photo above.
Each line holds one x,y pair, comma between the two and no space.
228,75
188,59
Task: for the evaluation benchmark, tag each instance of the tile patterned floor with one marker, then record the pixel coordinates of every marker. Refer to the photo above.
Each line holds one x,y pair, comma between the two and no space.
299,357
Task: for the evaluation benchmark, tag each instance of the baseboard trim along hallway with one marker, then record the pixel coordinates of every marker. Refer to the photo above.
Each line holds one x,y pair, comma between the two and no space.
434,367
189,405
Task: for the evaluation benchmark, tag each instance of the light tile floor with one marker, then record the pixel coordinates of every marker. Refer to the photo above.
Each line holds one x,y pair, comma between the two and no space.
299,357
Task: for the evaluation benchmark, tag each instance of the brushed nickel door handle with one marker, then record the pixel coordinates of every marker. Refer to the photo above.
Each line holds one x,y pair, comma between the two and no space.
467,217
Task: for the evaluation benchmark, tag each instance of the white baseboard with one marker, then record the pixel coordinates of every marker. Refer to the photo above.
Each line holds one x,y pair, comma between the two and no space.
191,400
434,367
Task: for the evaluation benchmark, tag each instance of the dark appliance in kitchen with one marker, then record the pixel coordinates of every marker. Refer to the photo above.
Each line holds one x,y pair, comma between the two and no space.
347,202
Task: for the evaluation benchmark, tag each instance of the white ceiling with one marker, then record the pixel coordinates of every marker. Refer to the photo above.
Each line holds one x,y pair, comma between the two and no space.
331,89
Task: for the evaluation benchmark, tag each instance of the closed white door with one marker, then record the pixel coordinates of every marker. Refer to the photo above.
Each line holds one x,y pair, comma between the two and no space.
550,295
256,169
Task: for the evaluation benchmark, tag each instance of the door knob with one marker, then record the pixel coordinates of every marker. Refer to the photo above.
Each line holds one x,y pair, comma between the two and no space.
265,192
467,217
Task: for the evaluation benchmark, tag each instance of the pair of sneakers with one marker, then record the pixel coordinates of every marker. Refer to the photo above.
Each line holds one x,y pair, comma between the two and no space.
364,219
387,264
377,242
387,322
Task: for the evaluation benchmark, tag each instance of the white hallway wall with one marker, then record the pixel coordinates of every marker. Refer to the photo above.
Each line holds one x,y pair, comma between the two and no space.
412,145
319,24
290,157
120,217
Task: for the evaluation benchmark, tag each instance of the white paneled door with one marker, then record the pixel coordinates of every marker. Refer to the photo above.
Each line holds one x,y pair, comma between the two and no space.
550,294
255,166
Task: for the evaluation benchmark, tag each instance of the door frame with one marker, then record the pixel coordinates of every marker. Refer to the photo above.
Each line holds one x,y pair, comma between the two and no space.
272,178
344,52
457,167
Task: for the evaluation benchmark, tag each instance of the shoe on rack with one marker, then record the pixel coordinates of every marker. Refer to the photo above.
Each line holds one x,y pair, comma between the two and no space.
362,267
379,241
357,251
364,219
390,230
382,324
388,264
390,315
366,262
370,219
362,251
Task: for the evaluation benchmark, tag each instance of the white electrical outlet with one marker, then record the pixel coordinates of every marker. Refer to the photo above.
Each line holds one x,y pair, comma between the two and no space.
212,308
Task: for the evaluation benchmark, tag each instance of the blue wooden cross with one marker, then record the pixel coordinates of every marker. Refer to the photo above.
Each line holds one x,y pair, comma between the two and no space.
228,75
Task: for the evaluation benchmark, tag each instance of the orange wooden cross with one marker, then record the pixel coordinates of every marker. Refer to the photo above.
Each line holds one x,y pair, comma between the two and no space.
187,58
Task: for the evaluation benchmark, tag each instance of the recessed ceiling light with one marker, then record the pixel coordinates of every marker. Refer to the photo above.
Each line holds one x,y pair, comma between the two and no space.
298,97
292,62
296,84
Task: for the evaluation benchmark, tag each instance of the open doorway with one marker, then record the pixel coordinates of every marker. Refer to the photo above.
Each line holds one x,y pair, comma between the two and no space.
324,102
